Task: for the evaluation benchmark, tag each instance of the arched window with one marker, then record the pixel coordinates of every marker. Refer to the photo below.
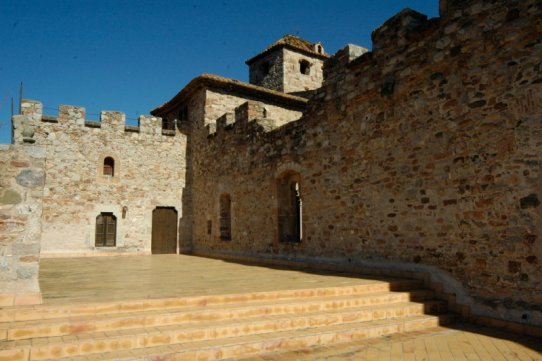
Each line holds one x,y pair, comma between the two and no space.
109,167
106,230
289,207
304,67
225,217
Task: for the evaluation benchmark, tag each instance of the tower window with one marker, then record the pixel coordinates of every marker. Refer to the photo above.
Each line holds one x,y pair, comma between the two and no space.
109,167
106,230
265,67
225,217
304,67
183,114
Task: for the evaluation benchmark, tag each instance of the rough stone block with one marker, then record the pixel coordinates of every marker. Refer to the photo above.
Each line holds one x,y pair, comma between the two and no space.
31,178
9,196
71,115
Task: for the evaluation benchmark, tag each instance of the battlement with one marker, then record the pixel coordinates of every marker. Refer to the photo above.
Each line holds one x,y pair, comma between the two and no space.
251,115
337,63
69,117
393,36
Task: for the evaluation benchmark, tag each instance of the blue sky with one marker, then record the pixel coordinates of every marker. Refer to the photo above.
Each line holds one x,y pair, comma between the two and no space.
132,55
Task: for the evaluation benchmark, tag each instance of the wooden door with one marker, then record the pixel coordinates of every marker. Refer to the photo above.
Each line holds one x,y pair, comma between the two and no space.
164,230
106,230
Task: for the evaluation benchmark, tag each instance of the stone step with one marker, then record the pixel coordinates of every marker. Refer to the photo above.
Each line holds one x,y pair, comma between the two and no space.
100,342
25,313
226,348
99,323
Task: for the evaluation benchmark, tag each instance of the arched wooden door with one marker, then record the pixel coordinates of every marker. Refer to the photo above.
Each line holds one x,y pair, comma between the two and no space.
164,230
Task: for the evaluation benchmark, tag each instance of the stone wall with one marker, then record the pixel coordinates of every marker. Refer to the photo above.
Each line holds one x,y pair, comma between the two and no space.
218,103
280,70
149,172
268,71
294,80
22,178
210,111
421,155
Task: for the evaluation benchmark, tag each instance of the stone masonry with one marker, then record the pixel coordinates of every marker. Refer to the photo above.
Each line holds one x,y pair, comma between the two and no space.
289,65
420,155
149,172
21,195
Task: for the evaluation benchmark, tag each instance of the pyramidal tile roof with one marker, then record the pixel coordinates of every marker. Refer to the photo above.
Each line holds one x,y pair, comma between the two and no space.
295,43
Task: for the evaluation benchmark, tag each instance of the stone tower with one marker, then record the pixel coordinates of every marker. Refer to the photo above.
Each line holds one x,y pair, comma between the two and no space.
289,65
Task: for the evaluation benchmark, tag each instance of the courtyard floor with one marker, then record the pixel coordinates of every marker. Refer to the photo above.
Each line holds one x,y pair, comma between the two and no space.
102,279
97,279
460,343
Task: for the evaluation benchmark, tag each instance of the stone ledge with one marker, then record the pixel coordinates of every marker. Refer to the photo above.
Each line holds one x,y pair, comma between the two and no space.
49,119
93,254
20,299
92,124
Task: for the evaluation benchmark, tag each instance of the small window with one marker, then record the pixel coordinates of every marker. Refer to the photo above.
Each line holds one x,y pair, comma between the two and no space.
183,114
209,226
304,67
265,67
319,49
225,217
109,167
106,230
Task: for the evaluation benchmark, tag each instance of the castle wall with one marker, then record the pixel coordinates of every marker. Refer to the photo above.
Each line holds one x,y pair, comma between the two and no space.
221,113
149,172
21,192
424,154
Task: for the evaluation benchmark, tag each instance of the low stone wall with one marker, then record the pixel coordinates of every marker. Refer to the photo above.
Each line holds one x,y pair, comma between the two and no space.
22,178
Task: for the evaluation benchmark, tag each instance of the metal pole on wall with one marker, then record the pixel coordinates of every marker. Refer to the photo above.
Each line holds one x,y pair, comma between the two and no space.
20,96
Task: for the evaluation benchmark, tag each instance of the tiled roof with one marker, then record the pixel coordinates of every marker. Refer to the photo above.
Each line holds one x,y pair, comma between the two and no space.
292,42
234,87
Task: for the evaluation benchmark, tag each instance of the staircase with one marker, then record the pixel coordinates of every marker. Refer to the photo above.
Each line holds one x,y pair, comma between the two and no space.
220,326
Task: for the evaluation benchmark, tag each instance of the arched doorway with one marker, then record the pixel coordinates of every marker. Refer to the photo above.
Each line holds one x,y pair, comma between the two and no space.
164,230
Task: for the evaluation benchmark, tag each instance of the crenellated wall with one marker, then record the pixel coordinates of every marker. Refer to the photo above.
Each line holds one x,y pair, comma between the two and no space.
210,109
149,172
423,154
